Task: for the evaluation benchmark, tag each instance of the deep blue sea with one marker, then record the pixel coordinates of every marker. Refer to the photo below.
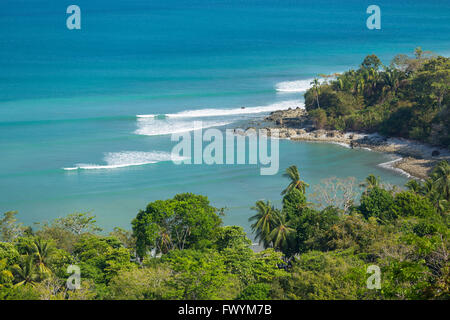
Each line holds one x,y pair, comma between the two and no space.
70,98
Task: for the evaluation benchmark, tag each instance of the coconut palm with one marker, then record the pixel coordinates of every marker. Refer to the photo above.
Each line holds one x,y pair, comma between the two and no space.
441,179
293,174
26,272
42,251
428,188
316,85
164,242
391,79
414,186
281,231
443,206
360,85
263,221
370,182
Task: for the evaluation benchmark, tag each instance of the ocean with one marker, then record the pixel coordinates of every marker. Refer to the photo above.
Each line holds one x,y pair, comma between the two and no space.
71,138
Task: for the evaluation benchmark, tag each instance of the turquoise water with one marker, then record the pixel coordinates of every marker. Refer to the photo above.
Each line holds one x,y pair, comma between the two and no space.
69,99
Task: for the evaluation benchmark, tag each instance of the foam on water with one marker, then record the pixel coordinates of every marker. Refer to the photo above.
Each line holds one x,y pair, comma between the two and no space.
200,113
153,127
293,86
126,159
390,166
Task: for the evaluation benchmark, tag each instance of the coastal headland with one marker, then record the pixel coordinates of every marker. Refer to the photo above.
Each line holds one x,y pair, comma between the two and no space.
414,158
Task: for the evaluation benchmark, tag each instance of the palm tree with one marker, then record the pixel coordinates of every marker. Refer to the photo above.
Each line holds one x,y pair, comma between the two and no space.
316,85
264,221
414,186
370,182
392,79
281,231
164,242
293,174
441,179
360,85
42,251
443,206
428,188
26,272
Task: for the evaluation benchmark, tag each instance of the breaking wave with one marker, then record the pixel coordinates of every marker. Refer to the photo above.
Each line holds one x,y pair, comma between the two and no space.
124,159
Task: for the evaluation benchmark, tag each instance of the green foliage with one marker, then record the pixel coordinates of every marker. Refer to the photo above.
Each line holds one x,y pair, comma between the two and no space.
264,221
352,232
141,284
377,203
293,204
78,223
424,228
186,221
319,118
293,175
408,203
101,258
410,98
282,233
200,275
9,252
323,275
6,276
404,279
231,237
310,254
257,291
312,227
266,265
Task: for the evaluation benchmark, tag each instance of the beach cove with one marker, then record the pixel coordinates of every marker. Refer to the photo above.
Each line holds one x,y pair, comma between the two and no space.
77,125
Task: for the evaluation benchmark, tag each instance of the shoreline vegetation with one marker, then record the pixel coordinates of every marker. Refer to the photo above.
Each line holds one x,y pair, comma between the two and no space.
179,249
401,109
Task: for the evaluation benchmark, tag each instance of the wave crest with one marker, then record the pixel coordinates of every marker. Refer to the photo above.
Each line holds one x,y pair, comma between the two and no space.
152,127
200,113
127,159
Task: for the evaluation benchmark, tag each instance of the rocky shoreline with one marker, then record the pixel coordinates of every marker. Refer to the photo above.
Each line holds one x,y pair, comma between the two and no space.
415,159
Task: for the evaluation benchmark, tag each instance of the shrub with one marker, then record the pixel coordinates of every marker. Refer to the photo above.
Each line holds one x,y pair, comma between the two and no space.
408,203
377,203
257,291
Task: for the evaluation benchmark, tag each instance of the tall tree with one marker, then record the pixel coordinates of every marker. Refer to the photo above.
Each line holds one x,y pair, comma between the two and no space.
414,186
26,272
293,174
264,220
186,221
371,182
281,231
441,179
316,86
79,223
42,250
